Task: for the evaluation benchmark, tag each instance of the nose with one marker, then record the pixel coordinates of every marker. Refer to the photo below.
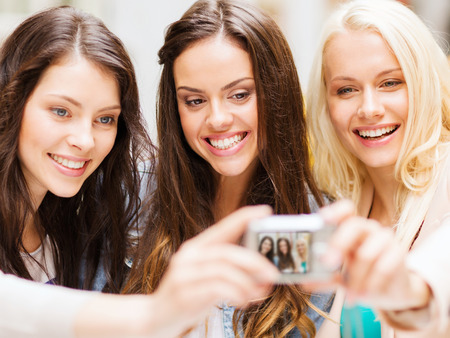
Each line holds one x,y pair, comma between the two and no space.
81,135
371,105
219,118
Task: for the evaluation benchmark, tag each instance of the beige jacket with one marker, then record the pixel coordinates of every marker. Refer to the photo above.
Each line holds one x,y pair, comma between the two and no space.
429,258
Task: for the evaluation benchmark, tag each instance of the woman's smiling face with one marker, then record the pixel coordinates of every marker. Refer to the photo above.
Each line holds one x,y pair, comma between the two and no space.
69,126
367,96
266,246
217,104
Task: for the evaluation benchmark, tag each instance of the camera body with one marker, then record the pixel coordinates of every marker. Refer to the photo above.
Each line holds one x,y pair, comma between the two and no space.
297,244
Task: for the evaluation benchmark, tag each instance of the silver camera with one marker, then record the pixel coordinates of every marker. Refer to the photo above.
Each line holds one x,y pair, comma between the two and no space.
294,243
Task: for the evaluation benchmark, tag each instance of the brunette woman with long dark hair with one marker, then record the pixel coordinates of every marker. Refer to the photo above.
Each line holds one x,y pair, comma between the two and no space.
87,229
284,260
71,135
267,248
231,133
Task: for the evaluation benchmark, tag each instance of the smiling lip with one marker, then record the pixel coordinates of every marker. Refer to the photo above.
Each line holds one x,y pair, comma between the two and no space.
377,135
69,166
226,145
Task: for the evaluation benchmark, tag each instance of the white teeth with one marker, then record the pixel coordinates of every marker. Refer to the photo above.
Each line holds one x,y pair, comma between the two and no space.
67,163
226,143
376,132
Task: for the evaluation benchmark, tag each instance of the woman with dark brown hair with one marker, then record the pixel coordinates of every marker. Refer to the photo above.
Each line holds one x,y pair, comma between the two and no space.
284,260
100,194
231,133
71,135
267,248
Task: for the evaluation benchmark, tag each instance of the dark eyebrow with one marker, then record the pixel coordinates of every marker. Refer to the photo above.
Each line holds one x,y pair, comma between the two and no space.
68,98
191,89
79,105
111,108
228,86
234,83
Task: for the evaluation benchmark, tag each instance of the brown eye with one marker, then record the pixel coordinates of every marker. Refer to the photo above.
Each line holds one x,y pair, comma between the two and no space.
194,102
240,96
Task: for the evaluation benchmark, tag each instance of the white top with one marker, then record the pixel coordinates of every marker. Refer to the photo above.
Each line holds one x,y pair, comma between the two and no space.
432,262
40,263
30,309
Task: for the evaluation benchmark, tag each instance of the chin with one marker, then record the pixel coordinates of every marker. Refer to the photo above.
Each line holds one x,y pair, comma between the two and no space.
65,193
230,173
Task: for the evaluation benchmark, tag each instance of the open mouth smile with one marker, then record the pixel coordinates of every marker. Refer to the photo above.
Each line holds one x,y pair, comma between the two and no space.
226,143
375,134
68,163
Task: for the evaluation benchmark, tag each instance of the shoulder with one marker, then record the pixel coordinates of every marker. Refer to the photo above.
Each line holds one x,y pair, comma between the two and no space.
322,301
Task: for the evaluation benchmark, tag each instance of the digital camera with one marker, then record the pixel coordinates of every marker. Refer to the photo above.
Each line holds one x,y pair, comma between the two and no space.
294,243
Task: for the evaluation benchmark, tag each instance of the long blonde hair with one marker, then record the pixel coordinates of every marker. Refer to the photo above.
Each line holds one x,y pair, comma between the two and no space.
427,75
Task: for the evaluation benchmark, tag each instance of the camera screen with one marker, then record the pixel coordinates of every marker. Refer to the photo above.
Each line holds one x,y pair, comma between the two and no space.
289,251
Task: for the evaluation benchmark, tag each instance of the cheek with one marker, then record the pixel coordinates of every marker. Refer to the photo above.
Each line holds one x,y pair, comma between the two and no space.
106,145
402,105
339,120
333,112
28,129
32,142
190,127
252,116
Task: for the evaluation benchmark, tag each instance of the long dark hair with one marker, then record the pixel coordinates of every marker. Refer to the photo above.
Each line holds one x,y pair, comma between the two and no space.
92,224
285,261
271,253
182,204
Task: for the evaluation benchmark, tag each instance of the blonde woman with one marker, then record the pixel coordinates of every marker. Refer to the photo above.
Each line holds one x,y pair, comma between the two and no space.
301,262
379,117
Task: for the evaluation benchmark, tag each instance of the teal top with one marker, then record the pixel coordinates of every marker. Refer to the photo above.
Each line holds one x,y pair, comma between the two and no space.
304,267
359,321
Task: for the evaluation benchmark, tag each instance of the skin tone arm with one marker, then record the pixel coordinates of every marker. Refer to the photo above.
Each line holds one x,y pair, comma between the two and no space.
375,266
207,269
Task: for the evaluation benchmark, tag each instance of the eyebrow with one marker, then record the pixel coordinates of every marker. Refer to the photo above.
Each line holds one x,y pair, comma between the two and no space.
79,105
384,72
228,86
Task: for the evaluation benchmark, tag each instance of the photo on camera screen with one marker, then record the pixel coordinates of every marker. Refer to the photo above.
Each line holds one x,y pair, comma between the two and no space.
294,244
289,251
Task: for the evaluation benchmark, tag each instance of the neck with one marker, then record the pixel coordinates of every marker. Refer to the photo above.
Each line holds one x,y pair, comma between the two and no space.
230,194
383,203
31,237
